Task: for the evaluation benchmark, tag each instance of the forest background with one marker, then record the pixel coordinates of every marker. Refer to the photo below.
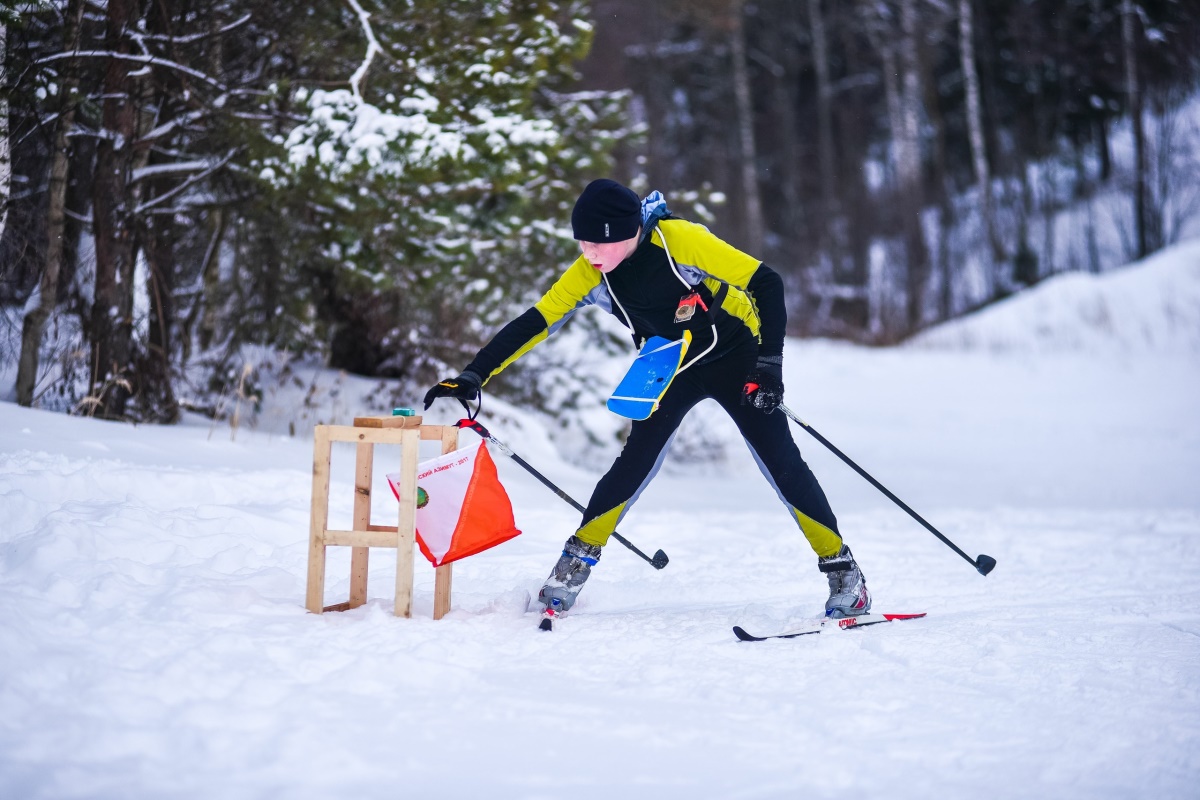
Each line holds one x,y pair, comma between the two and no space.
196,195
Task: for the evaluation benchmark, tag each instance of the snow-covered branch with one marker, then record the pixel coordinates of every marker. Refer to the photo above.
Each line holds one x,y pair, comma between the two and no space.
178,167
143,59
364,19
172,124
195,37
344,132
197,114
149,204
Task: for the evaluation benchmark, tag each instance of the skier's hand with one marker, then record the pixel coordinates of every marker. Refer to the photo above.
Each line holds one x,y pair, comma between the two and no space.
764,384
465,387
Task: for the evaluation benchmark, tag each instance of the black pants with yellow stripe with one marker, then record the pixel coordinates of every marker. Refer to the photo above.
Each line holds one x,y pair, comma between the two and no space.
768,436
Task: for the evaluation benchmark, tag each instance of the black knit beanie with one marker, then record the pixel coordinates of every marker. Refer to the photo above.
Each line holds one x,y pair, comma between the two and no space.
606,212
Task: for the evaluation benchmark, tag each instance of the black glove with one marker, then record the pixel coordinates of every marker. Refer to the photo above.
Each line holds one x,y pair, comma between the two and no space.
465,387
764,384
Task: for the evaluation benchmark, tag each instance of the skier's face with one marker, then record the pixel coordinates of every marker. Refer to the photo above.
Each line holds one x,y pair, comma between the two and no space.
606,256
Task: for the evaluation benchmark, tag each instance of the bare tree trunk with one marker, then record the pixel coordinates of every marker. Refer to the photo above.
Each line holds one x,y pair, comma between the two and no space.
979,156
790,177
941,186
1103,151
966,39
824,112
891,91
112,310
204,309
908,148
154,238
950,265
879,32
755,228
787,124
909,163
34,323
158,392
5,154
902,92
210,319
1134,93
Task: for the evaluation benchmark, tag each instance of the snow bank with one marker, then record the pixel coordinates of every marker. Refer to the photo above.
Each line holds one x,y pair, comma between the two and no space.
1152,306
154,641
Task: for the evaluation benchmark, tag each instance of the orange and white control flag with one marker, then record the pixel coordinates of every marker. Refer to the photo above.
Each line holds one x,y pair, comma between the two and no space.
462,508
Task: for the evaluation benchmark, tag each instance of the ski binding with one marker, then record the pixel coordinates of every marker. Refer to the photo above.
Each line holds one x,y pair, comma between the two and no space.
550,614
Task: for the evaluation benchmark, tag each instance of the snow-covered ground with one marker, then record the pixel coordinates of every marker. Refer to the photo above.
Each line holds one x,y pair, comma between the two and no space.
153,641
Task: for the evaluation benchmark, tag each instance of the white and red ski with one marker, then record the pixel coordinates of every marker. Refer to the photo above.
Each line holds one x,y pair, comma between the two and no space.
844,624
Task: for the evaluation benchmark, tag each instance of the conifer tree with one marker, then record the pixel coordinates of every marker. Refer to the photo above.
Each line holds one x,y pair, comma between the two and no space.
430,190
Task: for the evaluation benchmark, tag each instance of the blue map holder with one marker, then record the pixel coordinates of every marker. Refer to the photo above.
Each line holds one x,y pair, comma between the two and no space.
639,392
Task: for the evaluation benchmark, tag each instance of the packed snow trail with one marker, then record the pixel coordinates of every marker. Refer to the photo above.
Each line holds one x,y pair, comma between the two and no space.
154,641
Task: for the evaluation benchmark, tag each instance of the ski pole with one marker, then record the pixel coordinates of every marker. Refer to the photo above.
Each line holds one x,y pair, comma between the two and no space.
984,564
659,560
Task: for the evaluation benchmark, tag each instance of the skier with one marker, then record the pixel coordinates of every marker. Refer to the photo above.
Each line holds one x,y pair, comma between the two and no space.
661,275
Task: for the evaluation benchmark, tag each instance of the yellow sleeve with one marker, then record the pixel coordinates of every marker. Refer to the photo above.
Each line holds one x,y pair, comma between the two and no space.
694,246
572,290
577,287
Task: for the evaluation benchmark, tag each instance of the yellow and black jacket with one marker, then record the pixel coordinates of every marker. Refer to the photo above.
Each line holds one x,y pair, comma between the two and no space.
743,295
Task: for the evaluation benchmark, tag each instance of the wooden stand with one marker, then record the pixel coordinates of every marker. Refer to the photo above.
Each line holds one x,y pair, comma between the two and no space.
366,433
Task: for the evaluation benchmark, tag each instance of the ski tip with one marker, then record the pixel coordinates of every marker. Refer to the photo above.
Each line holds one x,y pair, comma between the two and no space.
743,636
893,617
547,624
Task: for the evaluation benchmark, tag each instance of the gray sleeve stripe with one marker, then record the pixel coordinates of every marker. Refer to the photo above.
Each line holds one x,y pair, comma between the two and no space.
597,297
692,275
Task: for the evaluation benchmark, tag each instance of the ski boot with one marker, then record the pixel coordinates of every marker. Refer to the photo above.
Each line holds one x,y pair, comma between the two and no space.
567,579
848,595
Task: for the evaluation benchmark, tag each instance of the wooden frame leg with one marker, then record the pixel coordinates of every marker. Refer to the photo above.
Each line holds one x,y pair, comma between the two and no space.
406,527
443,576
359,556
318,521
